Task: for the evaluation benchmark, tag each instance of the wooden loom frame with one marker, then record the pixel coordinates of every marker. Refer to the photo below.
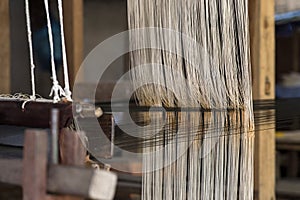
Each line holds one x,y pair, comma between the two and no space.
262,34
66,180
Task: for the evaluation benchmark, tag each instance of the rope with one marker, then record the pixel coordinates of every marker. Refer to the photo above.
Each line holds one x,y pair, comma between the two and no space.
56,90
29,35
67,91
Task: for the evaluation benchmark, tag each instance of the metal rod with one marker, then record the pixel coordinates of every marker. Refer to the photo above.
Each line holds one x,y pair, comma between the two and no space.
54,135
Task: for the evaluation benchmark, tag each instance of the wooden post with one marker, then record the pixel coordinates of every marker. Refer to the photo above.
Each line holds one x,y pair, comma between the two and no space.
72,151
73,20
35,165
4,47
262,34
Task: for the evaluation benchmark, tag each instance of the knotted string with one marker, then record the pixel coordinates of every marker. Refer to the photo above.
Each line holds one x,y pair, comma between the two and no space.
67,90
56,90
29,35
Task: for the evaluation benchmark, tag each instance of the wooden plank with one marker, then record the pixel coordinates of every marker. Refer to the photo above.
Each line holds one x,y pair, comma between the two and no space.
35,165
4,47
77,181
72,150
262,34
35,114
73,20
95,184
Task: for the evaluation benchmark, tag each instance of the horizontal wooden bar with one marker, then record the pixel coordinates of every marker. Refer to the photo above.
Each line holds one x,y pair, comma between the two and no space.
68,180
34,115
88,183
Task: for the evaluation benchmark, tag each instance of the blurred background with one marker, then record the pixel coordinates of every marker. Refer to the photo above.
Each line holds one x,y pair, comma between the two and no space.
101,20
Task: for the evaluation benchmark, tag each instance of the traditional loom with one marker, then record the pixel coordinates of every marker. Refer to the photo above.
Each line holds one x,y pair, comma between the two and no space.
25,109
193,58
201,122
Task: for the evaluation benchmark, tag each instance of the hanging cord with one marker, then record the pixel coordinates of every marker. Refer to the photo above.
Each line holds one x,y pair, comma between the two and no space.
56,90
67,90
29,34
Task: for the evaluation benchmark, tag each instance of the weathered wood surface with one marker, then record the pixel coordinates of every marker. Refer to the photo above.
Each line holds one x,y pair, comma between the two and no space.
34,175
35,114
70,180
72,150
95,184
262,36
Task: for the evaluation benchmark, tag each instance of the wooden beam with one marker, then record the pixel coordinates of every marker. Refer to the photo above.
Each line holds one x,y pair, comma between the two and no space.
73,20
94,184
71,180
34,114
35,165
4,47
262,34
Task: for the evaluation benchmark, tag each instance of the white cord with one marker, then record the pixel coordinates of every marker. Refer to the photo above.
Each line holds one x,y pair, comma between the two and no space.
29,34
64,54
56,90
